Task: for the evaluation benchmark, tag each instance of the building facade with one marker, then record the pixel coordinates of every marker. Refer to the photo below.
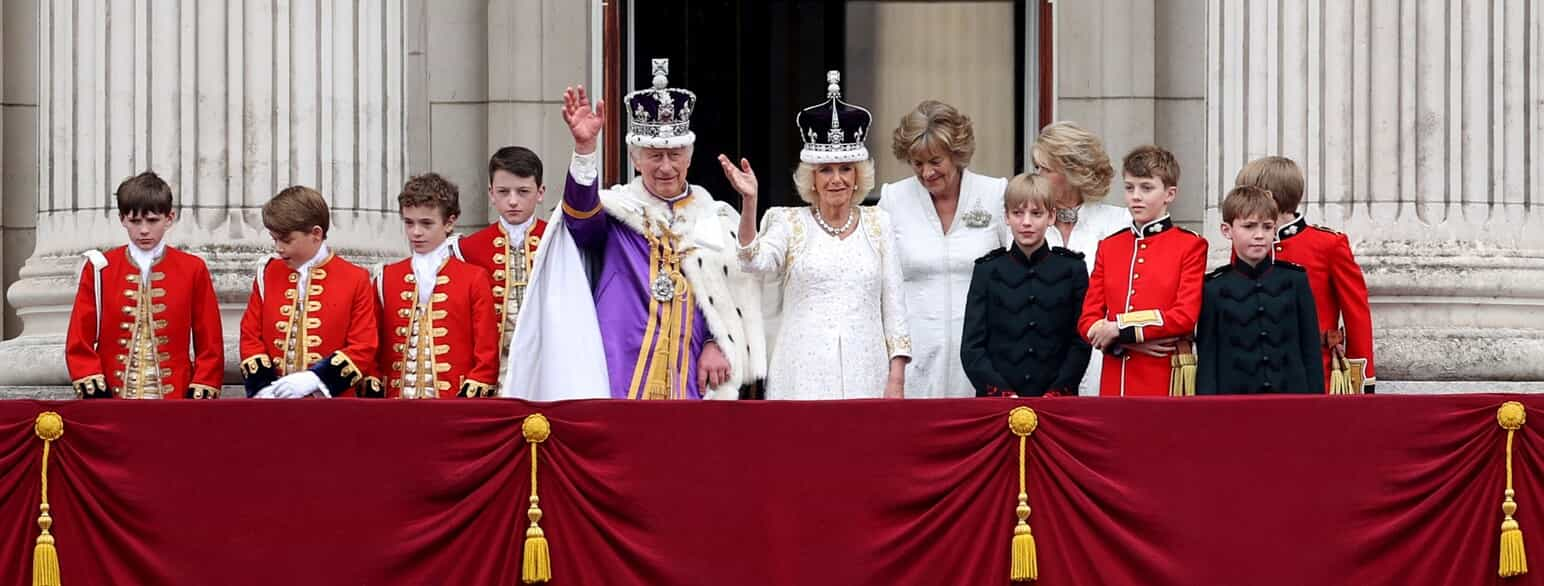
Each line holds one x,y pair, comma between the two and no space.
1419,122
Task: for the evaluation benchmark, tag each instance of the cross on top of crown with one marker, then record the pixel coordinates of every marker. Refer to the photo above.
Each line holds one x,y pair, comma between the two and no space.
661,71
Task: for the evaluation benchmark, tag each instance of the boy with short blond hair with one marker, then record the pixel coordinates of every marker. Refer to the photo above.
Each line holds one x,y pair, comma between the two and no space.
438,337
1145,292
309,329
1258,331
1020,336
139,308
1339,287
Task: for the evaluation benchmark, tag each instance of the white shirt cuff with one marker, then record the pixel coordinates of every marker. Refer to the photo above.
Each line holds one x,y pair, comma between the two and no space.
585,168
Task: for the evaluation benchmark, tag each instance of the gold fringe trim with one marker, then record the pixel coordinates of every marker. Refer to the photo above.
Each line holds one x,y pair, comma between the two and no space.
1514,559
537,565
1022,421
1182,375
45,558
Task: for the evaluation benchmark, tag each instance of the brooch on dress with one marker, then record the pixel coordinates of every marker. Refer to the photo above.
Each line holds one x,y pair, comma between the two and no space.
978,218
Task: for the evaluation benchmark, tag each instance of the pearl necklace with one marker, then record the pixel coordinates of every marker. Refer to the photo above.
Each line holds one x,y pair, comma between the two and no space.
852,218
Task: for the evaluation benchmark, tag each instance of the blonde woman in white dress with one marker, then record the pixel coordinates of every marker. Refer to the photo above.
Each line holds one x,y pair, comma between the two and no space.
1079,171
945,218
843,332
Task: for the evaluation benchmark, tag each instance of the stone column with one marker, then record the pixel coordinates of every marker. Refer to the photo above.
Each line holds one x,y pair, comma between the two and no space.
4,104
1421,129
18,141
230,102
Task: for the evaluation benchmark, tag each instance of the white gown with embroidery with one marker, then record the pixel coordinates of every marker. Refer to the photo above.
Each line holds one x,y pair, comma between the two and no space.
843,315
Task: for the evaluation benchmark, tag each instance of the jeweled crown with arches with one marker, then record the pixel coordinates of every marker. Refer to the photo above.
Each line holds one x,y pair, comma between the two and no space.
833,130
661,116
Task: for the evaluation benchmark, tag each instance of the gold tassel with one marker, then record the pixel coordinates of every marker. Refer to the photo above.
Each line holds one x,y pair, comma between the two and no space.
658,385
1182,372
1176,384
1340,384
1338,381
1514,559
45,558
1187,371
537,566
1340,368
538,559
1022,421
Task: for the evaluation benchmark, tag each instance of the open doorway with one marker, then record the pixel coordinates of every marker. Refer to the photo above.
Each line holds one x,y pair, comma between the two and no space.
753,65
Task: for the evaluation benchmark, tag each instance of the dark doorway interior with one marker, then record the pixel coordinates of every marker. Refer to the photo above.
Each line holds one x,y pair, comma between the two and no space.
753,66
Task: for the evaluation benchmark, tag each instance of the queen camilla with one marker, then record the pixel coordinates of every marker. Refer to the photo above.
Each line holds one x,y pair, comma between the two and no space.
843,333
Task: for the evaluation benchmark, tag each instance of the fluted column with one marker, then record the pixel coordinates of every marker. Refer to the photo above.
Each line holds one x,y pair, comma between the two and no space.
230,102
1421,127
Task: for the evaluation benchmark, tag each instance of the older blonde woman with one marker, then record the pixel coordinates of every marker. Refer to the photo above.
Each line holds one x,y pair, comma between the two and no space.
945,218
1079,170
843,332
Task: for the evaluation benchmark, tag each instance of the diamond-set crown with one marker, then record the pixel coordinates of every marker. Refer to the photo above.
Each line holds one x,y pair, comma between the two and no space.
661,116
833,130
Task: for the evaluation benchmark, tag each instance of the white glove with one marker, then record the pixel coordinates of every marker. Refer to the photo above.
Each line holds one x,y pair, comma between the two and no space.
266,393
298,385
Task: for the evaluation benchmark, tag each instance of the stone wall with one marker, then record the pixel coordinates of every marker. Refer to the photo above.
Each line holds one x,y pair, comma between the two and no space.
1129,70
1421,130
18,144
489,74
232,101
1420,124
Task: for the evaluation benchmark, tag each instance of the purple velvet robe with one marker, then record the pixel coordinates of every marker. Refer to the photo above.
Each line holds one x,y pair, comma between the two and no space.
622,299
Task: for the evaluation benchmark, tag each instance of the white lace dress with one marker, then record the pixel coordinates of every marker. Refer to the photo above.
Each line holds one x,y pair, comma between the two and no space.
843,316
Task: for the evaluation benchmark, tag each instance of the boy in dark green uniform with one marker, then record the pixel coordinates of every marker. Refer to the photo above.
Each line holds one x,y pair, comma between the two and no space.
1021,315
1258,332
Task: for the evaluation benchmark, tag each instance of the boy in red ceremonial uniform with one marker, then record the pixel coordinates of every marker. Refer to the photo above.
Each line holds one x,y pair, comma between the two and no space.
1145,293
437,332
140,307
309,328
1339,289
507,248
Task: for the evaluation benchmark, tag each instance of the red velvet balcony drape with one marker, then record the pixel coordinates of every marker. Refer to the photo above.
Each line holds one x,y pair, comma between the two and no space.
1197,491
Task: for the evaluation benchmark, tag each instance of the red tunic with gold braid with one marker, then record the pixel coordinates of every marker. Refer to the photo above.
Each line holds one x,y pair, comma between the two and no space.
146,329
1339,290
1148,281
507,261
442,346
331,330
